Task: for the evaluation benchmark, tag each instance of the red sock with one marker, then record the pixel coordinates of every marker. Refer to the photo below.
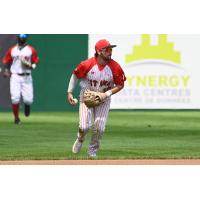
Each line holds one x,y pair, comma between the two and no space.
15,108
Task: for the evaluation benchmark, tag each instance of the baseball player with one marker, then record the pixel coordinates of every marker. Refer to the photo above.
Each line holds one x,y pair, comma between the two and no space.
19,61
101,74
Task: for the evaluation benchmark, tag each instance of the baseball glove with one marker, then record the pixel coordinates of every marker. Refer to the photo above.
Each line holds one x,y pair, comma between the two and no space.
26,63
92,99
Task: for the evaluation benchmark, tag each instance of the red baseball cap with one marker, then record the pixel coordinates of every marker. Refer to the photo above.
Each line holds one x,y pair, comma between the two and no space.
101,44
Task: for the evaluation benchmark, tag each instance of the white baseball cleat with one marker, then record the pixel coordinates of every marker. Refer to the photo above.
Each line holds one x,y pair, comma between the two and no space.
77,146
92,155
92,152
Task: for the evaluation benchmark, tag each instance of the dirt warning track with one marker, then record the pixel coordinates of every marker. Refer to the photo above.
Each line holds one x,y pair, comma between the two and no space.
103,162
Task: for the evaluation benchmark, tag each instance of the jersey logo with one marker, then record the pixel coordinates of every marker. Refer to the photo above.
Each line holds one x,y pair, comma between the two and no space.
102,83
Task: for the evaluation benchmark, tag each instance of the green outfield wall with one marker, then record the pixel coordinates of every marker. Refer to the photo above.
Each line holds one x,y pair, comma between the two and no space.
58,54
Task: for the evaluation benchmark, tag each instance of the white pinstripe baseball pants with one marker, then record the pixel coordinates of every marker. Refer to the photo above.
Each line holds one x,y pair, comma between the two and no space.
96,119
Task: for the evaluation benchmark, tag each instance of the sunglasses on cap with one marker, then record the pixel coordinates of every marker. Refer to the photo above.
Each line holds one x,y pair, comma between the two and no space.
24,36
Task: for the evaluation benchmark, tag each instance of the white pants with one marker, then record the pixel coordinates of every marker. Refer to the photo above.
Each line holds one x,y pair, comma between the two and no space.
96,119
21,86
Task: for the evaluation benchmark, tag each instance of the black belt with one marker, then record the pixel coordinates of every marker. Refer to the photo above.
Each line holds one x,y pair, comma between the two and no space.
24,74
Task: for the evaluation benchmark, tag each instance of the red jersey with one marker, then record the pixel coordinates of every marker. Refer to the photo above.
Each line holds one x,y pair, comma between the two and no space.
97,77
14,54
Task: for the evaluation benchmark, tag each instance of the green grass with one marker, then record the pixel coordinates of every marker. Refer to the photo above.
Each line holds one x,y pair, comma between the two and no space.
171,135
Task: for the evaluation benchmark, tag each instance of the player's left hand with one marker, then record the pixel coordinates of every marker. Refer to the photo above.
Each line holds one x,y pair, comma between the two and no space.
101,96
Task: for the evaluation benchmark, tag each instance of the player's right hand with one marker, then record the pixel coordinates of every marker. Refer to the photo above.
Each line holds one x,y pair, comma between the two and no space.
70,99
6,74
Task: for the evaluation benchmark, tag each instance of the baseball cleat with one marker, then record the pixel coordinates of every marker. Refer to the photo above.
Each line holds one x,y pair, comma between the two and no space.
92,155
27,110
92,151
17,121
77,146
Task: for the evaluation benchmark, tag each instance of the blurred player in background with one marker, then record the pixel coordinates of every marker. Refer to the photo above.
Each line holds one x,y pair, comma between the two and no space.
19,61
102,74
